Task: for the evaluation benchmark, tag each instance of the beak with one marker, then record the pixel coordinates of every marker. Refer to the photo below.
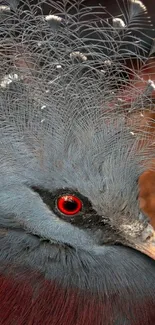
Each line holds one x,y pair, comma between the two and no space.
145,243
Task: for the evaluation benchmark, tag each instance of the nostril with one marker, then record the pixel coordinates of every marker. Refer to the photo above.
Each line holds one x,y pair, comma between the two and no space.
148,233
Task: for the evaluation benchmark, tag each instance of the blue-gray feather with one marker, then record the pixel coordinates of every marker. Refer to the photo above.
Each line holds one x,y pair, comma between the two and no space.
63,126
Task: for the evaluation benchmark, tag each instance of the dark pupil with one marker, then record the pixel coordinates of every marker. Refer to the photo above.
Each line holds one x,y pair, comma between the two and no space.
70,205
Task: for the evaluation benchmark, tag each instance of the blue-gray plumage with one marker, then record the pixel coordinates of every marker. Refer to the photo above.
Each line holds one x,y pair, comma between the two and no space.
70,159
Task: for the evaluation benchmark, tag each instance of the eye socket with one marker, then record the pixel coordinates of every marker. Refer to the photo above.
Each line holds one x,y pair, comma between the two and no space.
69,204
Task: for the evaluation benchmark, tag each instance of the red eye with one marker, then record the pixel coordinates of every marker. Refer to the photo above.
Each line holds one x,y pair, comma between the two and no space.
69,204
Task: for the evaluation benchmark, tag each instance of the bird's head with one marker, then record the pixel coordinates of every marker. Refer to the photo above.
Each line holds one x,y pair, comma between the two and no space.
69,161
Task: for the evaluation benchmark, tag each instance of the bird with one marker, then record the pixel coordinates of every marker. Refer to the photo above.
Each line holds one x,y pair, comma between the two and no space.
76,246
